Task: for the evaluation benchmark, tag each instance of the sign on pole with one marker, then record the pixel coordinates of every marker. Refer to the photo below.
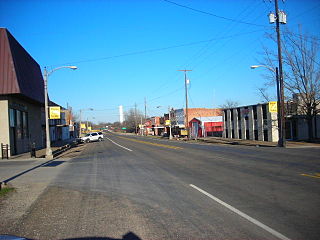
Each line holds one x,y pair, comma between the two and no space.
83,125
184,132
54,112
168,123
273,107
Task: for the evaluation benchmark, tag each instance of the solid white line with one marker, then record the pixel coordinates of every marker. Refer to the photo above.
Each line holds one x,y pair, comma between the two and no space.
250,219
119,145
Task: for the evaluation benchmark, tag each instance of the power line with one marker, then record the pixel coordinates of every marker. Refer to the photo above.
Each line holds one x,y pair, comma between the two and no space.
152,50
214,15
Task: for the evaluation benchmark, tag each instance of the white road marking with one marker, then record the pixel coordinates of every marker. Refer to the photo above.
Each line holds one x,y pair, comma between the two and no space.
119,144
250,219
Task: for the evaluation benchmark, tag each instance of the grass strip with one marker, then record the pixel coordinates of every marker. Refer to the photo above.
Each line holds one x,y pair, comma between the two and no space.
5,191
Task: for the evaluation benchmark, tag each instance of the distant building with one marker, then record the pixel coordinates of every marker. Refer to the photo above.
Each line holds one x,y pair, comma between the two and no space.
178,118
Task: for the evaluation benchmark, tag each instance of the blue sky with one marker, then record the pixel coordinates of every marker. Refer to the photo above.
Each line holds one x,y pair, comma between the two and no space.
128,50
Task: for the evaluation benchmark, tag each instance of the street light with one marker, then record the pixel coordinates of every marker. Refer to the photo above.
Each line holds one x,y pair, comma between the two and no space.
85,109
280,104
46,76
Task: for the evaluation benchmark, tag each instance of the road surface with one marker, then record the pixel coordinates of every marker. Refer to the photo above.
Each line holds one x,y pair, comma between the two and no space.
129,187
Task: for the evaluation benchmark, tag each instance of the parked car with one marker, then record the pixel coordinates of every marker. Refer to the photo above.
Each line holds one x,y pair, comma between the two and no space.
91,137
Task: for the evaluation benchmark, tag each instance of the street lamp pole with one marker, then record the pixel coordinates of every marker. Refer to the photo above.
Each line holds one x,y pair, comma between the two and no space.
46,110
46,75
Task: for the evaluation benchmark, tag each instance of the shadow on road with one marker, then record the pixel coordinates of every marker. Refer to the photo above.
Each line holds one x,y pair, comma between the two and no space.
53,164
128,236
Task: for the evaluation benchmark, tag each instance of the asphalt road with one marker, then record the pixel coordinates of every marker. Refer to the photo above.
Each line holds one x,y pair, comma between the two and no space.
129,187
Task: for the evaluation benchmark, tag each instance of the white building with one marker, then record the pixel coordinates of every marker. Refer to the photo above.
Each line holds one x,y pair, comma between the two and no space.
253,122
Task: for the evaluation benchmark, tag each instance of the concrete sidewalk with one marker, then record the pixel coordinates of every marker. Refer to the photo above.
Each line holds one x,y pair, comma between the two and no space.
57,148
290,144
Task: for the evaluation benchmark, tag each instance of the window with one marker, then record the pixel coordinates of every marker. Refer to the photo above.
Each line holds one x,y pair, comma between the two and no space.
265,135
12,117
247,135
255,115
94,134
239,113
246,111
25,128
19,124
264,111
255,134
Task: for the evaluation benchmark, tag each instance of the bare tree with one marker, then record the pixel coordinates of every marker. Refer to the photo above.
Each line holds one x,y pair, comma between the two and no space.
301,73
132,119
229,104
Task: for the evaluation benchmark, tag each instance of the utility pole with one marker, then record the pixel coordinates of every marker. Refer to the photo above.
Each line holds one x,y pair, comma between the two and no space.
145,114
145,108
170,126
186,93
280,17
135,117
80,124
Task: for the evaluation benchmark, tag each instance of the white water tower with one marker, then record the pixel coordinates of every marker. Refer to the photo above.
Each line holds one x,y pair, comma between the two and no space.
121,114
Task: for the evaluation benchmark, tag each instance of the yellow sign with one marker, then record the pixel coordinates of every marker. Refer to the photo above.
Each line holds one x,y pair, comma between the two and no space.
168,122
89,128
54,112
184,132
83,125
273,107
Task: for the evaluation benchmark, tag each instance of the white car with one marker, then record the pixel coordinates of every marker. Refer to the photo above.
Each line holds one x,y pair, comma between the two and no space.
91,137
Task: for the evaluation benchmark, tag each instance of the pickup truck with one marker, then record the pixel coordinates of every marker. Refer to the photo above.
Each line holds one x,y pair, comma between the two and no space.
91,137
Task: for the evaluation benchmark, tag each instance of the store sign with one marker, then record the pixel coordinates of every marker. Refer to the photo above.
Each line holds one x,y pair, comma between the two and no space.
168,122
184,132
83,125
273,107
54,112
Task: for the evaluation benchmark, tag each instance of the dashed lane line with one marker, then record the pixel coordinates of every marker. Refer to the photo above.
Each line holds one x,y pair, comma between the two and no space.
118,144
247,217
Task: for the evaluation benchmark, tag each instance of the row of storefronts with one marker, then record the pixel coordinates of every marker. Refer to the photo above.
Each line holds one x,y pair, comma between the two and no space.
253,122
